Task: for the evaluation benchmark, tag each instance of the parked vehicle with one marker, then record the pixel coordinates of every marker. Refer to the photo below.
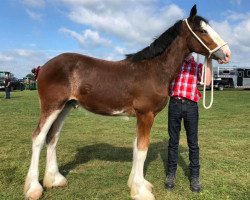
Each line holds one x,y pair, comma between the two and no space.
15,84
231,77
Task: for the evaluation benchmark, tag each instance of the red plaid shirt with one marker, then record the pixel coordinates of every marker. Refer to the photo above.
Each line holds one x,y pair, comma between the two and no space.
185,84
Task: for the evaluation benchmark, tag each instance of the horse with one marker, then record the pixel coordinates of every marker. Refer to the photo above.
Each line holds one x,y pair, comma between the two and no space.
136,86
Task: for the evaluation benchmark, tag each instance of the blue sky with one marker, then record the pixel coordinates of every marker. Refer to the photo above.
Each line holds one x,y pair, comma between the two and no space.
33,31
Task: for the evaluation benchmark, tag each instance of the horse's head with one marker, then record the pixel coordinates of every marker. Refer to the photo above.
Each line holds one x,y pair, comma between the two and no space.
204,40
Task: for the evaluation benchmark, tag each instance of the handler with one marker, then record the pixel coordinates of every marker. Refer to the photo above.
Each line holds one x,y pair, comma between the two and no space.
184,95
7,86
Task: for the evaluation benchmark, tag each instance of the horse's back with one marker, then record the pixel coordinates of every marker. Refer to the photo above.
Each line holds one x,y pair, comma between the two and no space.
83,78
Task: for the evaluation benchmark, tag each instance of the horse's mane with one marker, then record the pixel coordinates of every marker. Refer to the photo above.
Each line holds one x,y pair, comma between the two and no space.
159,45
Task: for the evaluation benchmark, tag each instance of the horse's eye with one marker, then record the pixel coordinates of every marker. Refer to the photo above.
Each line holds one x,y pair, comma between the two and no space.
203,31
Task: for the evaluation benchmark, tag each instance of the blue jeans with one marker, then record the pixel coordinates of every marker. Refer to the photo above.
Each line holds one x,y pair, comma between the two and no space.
7,93
188,111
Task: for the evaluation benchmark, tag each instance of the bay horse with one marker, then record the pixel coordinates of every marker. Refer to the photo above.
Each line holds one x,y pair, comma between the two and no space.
136,86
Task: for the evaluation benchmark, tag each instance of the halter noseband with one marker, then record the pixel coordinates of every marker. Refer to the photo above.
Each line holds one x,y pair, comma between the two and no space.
203,44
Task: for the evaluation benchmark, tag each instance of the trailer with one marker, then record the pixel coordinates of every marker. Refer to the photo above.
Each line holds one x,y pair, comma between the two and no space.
231,77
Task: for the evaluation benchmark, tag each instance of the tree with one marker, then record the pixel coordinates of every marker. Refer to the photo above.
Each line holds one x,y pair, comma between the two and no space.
30,76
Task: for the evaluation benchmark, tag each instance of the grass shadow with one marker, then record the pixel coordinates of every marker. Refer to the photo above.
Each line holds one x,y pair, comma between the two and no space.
181,161
107,152
100,151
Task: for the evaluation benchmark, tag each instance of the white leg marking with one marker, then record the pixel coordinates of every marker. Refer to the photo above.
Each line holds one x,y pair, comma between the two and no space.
131,176
52,177
140,188
33,189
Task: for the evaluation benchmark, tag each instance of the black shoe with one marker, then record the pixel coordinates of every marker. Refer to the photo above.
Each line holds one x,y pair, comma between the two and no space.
169,183
195,184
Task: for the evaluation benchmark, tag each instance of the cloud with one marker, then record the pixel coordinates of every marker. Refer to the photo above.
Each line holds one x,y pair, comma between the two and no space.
235,30
32,7
134,22
4,57
88,38
21,61
235,17
34,15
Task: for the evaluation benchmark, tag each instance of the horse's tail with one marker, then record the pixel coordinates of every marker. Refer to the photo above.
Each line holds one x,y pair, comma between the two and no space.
35,71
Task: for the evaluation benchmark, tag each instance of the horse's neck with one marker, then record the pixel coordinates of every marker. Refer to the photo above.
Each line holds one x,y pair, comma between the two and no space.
170,62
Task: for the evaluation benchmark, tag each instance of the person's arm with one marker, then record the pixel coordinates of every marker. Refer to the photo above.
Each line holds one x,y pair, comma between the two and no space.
209,72
8,84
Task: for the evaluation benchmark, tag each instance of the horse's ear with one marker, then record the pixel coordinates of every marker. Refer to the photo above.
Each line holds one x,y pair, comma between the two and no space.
193,12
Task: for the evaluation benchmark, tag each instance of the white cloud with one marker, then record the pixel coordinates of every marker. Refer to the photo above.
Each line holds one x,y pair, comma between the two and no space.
134,22
131,25
234,16
32,7
21,61
120,50
5,58
88,38
235,30
34,15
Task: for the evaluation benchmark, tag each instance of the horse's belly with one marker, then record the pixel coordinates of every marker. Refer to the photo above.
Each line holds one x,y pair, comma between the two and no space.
107,104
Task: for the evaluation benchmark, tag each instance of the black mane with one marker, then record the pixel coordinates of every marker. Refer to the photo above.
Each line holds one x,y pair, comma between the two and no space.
158,46
161,43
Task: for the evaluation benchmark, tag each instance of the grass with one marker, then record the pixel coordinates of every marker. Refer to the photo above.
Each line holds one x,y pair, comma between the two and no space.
95,152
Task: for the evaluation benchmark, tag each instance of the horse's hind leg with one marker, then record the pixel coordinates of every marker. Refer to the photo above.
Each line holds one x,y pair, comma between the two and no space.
140,188
32,189
52,176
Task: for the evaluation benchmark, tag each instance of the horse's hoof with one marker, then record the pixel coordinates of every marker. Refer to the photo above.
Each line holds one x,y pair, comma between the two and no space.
56,180
145,196
143,192
34,192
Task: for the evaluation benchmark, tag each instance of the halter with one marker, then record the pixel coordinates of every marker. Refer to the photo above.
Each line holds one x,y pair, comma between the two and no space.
203,76
203,44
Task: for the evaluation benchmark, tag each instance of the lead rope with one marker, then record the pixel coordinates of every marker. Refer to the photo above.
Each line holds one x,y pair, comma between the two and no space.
203,82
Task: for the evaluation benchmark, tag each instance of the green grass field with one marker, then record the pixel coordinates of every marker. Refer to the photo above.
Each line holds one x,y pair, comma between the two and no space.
95,152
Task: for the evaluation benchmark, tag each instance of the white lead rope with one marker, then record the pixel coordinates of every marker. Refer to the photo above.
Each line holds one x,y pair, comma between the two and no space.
203,82
203,76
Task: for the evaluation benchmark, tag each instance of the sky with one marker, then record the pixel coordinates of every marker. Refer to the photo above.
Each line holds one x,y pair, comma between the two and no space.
34,31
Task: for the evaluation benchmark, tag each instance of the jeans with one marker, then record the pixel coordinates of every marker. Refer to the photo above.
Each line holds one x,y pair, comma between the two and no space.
188,111
7,93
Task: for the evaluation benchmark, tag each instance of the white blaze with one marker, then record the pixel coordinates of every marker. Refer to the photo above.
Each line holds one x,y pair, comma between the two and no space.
212,33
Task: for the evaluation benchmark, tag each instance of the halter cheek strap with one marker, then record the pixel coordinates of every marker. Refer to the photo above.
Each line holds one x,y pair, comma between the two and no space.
203,44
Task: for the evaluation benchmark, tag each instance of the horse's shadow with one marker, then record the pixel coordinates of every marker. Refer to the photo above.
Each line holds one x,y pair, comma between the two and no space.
108,152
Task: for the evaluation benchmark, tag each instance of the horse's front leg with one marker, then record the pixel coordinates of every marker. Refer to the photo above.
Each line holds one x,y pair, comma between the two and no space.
140,188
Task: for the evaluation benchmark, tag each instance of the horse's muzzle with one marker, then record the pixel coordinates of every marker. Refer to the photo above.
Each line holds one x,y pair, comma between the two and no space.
222,55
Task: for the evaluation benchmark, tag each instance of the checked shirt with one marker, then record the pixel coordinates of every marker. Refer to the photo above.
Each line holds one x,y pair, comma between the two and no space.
185,84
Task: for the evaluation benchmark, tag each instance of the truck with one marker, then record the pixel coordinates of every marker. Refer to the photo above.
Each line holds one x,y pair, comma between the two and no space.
15,84
231,77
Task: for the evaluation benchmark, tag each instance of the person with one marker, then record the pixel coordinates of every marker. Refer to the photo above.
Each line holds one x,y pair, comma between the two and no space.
184,95
7,86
